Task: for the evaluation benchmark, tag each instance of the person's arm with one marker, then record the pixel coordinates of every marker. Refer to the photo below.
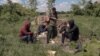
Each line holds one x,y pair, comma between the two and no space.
71,30
56,15
39,30
45,28
62,29
26,32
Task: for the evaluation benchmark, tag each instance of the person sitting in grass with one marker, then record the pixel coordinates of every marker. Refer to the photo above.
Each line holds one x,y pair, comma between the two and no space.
25,32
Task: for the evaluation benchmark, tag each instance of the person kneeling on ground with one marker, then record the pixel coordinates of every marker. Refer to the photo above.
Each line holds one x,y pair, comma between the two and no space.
73,33
25,32
63,32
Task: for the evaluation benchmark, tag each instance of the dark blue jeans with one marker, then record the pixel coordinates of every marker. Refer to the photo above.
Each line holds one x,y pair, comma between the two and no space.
27,39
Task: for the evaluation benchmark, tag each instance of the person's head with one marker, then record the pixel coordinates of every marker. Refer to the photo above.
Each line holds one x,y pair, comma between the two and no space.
53,9
71,22
65,23
27,22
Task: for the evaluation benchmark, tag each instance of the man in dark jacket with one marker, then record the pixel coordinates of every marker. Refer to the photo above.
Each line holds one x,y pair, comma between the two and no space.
73,31
53,14
25,32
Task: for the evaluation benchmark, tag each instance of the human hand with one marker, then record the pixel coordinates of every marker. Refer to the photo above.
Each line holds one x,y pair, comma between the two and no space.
63,32
68,25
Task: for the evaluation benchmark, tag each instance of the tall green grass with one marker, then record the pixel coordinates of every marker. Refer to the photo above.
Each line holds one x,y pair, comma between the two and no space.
10,45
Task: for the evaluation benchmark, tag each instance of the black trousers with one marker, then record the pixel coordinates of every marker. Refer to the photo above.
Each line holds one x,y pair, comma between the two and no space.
49,35
63,37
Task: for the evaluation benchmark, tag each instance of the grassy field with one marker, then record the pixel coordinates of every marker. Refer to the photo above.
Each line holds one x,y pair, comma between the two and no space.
10,45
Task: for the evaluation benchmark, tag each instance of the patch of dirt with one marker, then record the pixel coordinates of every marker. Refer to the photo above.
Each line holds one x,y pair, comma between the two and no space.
68,50
51,53
57,40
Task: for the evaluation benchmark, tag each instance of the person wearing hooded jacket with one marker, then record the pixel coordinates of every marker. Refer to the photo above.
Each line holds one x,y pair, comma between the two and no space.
73,34
73,31
70,31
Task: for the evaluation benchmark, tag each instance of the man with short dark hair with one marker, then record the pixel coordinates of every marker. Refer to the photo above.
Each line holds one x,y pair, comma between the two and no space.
54,13
52,29
25,32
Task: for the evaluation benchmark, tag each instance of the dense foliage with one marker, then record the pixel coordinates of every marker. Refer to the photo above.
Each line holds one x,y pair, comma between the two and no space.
12,13
88,8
